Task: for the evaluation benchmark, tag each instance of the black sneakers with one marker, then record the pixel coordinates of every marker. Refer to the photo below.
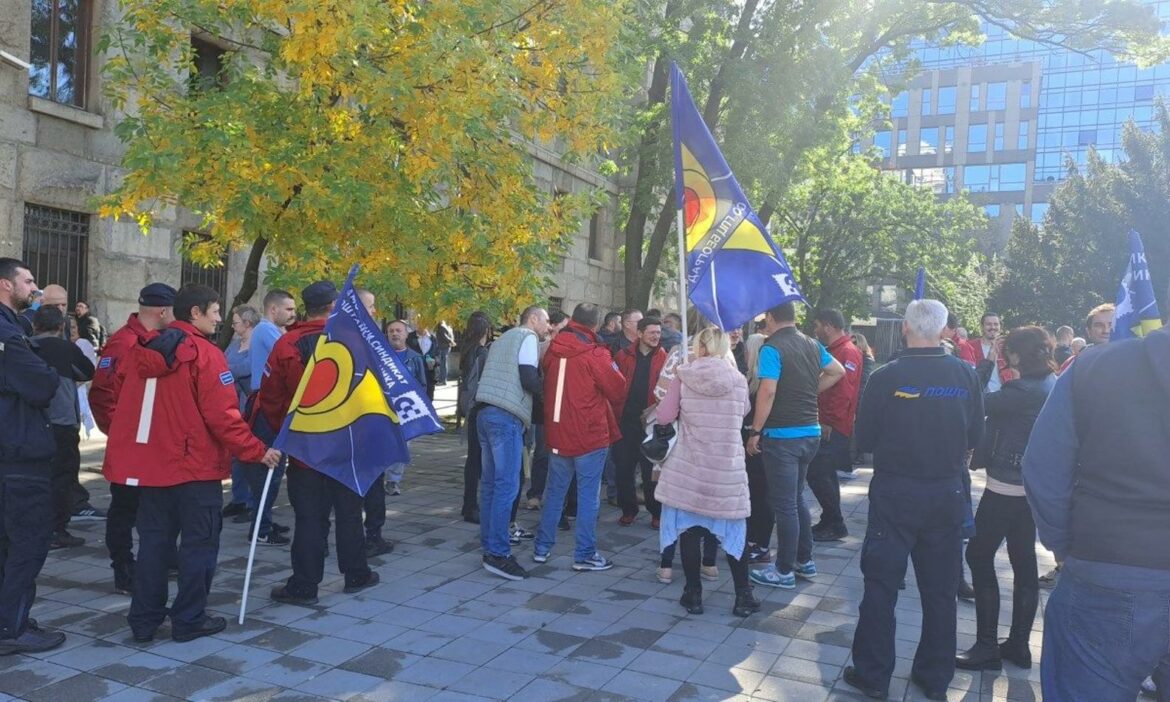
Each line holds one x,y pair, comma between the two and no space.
371,580
281,594
33,640
377,546
209,626
505,567
63,539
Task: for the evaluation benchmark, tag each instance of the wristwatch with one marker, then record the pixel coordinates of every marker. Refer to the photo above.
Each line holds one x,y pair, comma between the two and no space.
753,432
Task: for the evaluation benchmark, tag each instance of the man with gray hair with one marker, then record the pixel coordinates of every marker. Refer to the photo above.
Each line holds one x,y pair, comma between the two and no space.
919,416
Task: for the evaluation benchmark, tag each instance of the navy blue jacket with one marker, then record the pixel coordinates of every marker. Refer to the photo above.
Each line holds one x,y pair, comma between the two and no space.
27,387
919,415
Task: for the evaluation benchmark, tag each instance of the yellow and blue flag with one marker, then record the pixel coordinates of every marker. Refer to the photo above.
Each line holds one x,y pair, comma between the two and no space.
734,270
1137,309
356,406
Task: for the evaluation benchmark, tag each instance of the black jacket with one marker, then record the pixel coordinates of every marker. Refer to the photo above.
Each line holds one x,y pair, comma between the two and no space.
1011,412
27,387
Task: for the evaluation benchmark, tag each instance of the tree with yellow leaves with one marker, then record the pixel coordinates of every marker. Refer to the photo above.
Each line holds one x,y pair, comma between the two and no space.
387,133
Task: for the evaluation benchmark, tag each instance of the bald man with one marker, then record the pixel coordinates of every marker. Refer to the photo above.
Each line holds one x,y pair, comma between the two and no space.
50,296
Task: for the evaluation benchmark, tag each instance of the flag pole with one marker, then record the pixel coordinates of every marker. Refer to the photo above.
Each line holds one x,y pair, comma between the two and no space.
682,276
255,538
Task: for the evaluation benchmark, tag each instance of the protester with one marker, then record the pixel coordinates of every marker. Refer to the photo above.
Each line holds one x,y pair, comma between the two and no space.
867,364
27,387
155,313
838,405
628,335
1098,330
1095,476
88,326
1003,512
1078,344
762,519
398,334
175,427
444,342
374,502
507,386
640,365
611,329
1064,339
793,370
671,331
986,354
704,485
314,496
239,358
64,415
557,321
583,393
423,342
738,350
919,416
473,345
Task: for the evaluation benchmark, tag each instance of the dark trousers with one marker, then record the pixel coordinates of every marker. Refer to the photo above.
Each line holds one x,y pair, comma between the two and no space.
917,519
120,519
190,514
539,463
1000,518
762,519
472,466
691,548
66,466
832,456
26,527
627,460
314,496
442,355
710,550
375,508
256,474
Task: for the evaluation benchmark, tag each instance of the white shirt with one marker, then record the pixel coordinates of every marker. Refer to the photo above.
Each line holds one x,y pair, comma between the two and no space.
529,354
994,383
425,343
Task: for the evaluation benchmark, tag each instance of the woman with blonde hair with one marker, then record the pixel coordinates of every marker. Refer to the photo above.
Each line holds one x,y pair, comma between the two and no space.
704,487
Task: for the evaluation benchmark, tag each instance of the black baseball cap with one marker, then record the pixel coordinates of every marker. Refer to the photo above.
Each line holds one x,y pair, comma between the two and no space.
157,295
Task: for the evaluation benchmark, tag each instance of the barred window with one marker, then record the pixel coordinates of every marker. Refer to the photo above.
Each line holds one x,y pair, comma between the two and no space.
56,248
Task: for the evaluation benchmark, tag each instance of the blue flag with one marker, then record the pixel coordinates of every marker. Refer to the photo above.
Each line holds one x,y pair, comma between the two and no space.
734,270
356,406
1137,309
920,284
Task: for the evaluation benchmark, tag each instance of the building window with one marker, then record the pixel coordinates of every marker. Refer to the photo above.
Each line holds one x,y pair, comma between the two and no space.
901,142
900,106
1086,137
1039,209
992,211
928,140
926,101
996,96
949,140
1022,138
1025,94
1007,177
946,100
59,52
595,236
1143,93
881,141
976,138
214,277
556,304
56,248
208,66
974,106
941,181
999,136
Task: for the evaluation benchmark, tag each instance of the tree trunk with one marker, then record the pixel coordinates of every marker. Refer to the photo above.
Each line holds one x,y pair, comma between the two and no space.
247,289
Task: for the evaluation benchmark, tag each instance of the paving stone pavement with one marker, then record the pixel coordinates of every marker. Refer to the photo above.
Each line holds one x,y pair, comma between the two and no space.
440,628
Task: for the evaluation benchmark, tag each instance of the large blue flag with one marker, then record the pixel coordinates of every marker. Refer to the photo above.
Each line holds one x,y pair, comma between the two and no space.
1137,309
734,270
356,406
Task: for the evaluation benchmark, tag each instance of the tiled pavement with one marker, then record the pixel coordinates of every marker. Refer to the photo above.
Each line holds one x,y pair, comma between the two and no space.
441,628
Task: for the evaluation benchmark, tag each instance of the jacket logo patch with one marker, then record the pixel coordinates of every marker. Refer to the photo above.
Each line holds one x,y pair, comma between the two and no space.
850,366
105,362
908,392
226,378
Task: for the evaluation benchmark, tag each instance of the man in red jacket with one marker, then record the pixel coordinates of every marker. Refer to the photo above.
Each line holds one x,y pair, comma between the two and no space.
838,407
640,364
173,433
314,496
155,312
987,354
583,391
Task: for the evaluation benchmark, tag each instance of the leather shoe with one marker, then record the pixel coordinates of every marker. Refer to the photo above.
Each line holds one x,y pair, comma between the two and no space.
830,533
372,580
33,640
926,691
209,626
853,678
281,594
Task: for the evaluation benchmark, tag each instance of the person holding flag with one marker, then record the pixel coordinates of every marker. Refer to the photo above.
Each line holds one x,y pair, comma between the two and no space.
1136,312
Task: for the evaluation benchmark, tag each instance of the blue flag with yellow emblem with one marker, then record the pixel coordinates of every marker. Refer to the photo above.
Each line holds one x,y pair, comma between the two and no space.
1137,309
734,270
356,406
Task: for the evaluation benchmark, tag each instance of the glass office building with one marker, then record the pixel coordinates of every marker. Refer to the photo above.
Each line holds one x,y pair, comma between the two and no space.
1000,119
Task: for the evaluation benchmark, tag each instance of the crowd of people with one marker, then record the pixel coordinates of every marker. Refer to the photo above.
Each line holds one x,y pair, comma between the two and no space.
723,432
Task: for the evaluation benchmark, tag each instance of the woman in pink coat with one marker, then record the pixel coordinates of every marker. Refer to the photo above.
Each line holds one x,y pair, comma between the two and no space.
703,487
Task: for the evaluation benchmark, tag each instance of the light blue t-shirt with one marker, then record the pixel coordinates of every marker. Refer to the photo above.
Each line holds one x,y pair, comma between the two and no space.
264,337
769,368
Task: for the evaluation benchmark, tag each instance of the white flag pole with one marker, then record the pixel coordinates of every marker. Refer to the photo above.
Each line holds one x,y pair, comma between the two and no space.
682,275
255,537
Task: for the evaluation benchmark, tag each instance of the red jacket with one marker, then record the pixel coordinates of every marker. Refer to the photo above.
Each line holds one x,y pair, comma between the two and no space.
627,360
974,355
838,404
107,381
178,416
282,373
583,393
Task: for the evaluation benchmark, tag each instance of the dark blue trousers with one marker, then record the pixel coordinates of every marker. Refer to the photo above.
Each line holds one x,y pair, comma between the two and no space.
314,497
189,513
920,520
26,526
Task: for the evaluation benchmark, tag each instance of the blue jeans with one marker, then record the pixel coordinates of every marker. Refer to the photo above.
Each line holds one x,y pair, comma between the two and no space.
501,434
1100,640
241,493
786,465
588,469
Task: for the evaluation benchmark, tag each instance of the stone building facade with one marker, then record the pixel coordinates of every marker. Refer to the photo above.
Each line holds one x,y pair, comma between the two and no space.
59,154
